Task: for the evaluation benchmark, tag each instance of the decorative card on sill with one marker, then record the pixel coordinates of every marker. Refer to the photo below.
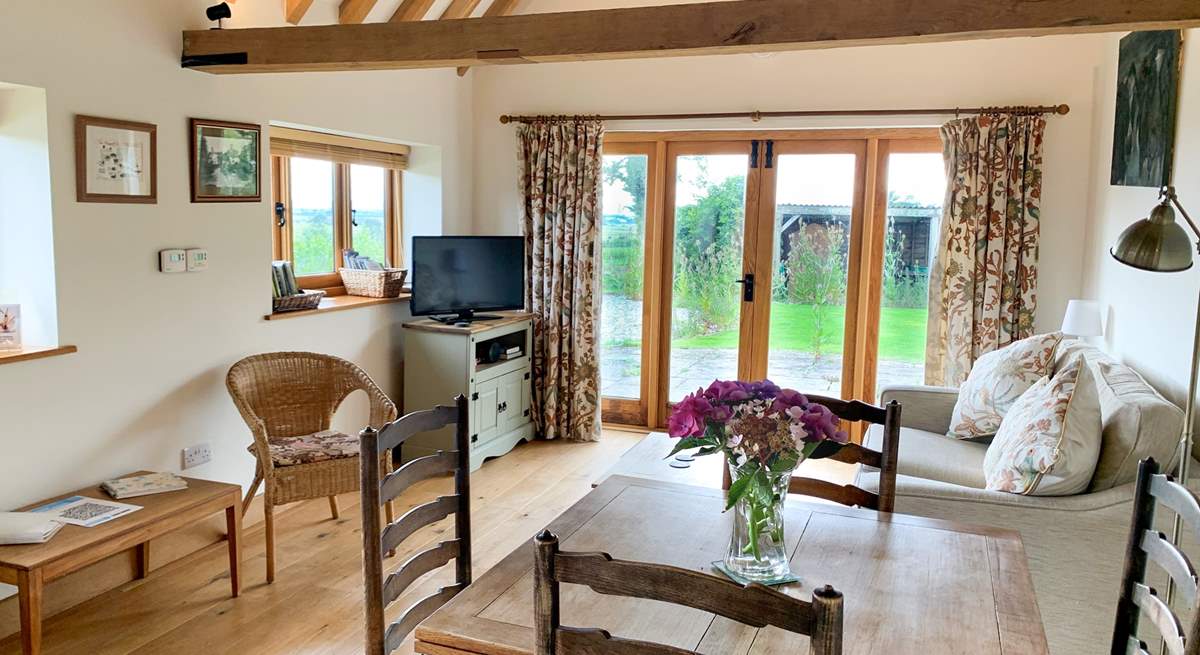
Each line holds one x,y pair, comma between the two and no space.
143,485
10,327
84,511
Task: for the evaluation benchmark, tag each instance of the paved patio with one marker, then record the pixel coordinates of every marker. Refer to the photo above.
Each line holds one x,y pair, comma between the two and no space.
692,368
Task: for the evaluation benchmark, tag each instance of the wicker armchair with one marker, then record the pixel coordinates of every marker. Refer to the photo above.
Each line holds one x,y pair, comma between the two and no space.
288,400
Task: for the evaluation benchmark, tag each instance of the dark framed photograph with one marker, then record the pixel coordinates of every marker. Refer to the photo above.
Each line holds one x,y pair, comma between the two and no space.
226,161
1147,99
115,160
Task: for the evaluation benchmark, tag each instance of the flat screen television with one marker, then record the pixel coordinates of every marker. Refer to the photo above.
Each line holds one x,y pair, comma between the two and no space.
456,277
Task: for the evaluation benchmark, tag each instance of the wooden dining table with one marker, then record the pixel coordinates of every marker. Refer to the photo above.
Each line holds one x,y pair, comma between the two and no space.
911,584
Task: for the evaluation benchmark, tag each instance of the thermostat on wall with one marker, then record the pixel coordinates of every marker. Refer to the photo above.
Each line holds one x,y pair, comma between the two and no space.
197,259
172,261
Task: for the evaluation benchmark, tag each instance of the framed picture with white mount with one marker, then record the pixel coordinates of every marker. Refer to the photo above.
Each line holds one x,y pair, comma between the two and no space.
115,161
225,161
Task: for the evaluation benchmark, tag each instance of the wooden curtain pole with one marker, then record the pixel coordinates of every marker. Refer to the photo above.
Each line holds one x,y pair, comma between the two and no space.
1061,110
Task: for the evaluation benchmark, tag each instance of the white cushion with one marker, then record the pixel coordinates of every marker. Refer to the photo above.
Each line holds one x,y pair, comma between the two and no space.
1049,442
996,381
934,456
1138,422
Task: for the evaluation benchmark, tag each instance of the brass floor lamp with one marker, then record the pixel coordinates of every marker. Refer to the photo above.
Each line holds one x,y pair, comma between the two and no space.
1160,244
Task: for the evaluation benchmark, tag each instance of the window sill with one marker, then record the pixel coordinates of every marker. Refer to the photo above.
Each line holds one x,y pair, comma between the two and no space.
337,304
14,356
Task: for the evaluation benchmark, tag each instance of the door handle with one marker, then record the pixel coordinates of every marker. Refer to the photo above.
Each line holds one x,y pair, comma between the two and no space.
747,287
503,407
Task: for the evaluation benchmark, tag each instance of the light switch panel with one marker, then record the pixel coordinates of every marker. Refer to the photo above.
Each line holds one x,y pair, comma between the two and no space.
172,261
197,259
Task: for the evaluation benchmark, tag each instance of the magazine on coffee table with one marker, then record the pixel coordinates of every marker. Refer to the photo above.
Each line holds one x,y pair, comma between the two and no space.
84,511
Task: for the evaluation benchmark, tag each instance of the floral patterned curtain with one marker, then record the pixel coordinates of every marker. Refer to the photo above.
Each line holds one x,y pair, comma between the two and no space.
983,280
560,164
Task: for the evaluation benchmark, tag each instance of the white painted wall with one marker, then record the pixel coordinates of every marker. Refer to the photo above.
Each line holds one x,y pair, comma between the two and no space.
26,225
1150,316
1001,72
153,349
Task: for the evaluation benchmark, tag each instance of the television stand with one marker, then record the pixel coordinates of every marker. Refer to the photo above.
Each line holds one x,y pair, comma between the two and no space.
465,317
442,361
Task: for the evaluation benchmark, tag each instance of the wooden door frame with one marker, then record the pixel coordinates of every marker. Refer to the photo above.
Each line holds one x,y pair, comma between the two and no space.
639,411
867,238
674,150
856,238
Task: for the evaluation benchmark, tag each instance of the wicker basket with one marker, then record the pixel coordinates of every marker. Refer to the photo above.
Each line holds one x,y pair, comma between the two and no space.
373,284
299,302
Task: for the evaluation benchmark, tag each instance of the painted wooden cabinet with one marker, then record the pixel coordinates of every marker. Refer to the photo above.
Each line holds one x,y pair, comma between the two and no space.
442,361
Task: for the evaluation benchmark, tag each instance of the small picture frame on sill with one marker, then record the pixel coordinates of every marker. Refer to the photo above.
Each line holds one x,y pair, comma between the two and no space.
115,160
225,161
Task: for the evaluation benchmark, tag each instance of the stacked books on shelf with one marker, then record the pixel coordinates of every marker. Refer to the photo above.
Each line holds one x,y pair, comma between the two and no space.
26,528
283,279
512,353
143,485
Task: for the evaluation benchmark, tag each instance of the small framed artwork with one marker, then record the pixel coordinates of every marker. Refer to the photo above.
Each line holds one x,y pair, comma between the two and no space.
1147,99
226,161
115,161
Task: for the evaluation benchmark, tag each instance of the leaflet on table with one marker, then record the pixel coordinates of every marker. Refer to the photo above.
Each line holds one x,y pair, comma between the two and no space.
84,511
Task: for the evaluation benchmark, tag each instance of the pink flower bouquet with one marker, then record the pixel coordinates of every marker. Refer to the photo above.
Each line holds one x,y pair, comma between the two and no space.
764,432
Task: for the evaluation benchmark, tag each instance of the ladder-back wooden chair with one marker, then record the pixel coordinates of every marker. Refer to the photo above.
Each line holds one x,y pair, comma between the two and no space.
1145,544
885,460
380,591
288,400
754,605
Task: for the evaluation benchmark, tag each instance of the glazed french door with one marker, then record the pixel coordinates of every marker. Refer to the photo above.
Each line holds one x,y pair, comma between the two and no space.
759,254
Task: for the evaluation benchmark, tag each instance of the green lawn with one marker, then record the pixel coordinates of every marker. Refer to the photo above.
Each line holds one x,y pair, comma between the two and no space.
902,332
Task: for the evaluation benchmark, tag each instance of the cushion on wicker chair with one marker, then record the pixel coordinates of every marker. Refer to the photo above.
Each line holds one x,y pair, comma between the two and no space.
309,448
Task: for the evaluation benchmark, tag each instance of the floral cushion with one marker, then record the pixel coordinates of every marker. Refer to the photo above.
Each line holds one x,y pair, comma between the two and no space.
309,448
1049,442
996,381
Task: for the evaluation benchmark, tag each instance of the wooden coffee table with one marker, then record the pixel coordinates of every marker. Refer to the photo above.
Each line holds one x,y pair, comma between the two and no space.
29,567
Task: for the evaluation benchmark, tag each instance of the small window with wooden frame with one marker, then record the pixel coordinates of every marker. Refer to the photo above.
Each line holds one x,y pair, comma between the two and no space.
331,193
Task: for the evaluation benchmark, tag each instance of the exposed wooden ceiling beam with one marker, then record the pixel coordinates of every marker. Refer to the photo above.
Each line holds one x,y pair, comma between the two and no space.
497,8
411,10
501,8
459,9
354,11
673,30
294,10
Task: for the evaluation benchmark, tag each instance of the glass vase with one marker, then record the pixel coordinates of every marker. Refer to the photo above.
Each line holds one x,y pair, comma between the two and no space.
756,547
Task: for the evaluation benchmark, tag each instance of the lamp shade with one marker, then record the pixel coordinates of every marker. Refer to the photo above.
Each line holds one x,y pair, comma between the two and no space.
1156,244
1083,319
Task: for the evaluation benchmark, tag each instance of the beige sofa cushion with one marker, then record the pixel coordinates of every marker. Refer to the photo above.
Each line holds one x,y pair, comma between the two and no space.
1136,421
1049,441
935,456
996,380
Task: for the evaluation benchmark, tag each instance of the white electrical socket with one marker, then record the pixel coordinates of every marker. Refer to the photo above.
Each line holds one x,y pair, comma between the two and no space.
196,455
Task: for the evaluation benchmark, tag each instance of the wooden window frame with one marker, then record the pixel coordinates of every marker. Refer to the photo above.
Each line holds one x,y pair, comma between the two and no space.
864,292
393,203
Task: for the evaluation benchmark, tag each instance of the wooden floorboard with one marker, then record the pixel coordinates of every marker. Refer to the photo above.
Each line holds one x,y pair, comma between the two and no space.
315,604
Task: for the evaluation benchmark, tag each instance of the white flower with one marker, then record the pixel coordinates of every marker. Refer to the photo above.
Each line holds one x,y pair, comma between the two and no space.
733,441
798,432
